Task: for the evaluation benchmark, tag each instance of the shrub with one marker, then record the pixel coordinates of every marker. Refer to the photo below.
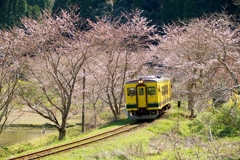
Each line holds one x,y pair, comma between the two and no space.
225,122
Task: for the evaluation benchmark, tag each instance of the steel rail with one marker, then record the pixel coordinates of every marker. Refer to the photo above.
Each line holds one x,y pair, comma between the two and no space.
78,143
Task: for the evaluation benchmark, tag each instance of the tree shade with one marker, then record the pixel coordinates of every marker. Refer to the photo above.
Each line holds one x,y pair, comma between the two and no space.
158,11
12,10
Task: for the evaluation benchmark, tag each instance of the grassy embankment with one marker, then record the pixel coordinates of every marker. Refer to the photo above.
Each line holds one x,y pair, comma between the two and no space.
173,136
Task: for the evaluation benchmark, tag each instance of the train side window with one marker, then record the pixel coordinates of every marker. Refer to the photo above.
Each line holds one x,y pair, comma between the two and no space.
164,90
151,90
131,92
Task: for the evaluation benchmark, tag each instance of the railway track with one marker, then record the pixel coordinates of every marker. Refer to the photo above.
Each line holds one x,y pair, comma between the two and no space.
81,142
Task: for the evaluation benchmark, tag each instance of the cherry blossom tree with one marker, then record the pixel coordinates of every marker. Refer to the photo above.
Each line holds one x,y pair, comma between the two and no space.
203,55
12,48
124,47
60,51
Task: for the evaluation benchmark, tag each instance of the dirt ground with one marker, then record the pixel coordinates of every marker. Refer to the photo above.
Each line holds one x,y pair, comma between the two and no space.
28,117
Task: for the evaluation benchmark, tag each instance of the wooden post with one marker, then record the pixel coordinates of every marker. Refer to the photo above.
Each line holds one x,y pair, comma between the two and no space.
83,101
179,104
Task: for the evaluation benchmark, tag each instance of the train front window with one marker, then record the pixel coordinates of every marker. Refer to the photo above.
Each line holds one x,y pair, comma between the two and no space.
131,92
141,91
151,90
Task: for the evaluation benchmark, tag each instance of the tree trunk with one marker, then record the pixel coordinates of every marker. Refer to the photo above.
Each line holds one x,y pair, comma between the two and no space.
3,114
62,129
114,112
191,99
95,115
62,133
112,107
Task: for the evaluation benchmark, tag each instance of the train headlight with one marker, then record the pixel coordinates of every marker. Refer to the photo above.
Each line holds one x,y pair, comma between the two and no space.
140,80
131,113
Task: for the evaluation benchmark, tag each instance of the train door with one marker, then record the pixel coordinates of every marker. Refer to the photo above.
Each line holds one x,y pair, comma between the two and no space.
141,97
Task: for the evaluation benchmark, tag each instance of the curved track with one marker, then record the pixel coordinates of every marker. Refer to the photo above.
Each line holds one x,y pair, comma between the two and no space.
81,142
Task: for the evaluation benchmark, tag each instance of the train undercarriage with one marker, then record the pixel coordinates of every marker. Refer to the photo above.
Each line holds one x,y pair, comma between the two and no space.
147,114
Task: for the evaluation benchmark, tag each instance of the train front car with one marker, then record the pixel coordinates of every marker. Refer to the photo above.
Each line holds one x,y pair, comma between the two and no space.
147,97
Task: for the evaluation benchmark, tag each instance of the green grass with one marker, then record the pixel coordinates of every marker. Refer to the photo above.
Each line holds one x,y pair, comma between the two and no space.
133,144
170,137
50,140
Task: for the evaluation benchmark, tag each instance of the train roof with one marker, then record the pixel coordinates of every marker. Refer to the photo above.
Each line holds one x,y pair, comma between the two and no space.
148,79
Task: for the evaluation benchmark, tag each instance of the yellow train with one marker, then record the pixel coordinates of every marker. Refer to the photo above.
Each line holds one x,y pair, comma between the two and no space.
147,97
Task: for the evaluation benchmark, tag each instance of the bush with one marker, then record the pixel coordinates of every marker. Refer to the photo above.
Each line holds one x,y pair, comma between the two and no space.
224,123
227,121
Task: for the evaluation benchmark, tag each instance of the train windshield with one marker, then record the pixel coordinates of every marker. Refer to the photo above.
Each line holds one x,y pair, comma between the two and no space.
151,91
131,91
